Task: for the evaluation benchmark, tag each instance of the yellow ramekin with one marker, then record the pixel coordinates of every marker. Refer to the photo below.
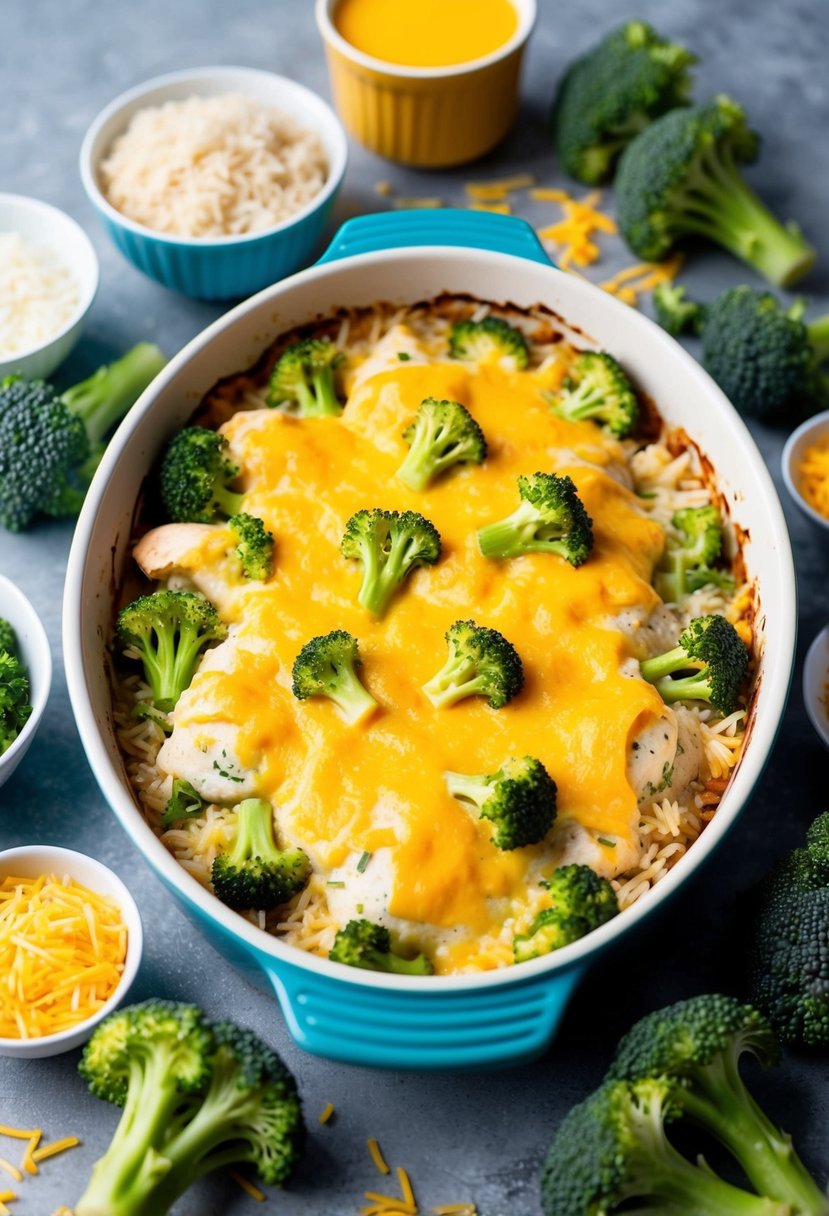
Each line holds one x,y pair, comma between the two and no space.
429,117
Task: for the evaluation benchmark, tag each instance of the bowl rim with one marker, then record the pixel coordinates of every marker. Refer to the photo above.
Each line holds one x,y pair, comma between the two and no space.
817,657
820,424
10,590
86,300
114,785
69,1038
331,126
527,13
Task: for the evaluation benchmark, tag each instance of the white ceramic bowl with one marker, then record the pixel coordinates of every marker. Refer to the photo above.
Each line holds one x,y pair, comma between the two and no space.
33,646
218,268
29,861
41,224
812,429
816,684
338,1011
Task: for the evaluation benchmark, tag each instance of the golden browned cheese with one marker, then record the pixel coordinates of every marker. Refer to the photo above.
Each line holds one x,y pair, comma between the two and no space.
341,789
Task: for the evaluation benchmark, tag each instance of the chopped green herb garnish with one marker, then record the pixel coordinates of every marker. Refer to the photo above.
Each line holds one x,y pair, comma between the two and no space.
403,357
360,909
363,862
335,884
611,844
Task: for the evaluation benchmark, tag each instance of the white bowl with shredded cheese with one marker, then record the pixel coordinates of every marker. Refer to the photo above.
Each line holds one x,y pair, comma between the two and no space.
805,467
70,943
48,280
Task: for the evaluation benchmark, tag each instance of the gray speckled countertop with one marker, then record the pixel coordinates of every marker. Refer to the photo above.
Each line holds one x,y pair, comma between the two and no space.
461,1136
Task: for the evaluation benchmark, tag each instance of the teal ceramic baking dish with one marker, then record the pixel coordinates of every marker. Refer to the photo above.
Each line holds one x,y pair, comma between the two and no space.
481,1020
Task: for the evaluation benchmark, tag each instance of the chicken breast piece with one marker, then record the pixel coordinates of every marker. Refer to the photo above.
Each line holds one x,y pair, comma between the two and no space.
193,557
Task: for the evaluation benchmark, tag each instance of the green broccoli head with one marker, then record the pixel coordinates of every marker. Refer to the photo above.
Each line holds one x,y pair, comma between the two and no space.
327,667
443,434
613,92
363,944
15,707
305,378
687,563
764,357
709,664
551,518
680,178
675,312
817,846
169,629
390,545
581,902
8,638
254,546
195,477
519,799
491,340
255,872
481,662
597,389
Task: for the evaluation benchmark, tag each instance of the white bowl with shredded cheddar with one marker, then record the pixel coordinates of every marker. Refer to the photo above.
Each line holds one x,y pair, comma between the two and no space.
48,280
805,467
70,946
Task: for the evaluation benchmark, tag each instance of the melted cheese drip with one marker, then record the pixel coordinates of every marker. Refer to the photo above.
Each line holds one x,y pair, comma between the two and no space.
340,790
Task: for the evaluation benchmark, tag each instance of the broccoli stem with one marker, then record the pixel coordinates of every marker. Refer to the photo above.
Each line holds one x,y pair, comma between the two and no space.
584,401
102,400
512,536
666,664
171,666
324,401
818,332
254,836
722,207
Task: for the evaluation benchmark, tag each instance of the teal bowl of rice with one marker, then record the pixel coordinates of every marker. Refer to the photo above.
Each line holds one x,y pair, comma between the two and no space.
215,182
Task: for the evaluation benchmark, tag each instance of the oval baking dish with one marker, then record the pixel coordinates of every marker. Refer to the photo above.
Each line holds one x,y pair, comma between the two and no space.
363,1017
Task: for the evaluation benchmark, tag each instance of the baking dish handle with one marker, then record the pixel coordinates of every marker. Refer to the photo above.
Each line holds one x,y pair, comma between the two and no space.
443,226
357,1024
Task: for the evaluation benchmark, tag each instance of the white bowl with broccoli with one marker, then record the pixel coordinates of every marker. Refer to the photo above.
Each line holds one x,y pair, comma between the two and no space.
21,634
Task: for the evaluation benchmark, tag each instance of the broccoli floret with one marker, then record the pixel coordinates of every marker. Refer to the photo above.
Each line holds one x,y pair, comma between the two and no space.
195,477
196,1098
612,93
596,388
765,358
680,178
696,1045
817,846
686,565
51,443
481,662
581,902
327,667
254,546
491,340
364,944
613,1148
15,708
714,659
169,629
443,434
550,519
305,377
390,545
8,638
255,872
520,800
675,312
184,803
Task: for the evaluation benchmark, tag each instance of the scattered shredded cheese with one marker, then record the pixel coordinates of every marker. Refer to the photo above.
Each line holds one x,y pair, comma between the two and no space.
404,1204
38,295
28,1164
549,194
57,1146
573,234
6,1197
495,208
814,475
248,1187
631,282
11,1170
384,189
377,1157
62,951
418,204
497,191
328,1111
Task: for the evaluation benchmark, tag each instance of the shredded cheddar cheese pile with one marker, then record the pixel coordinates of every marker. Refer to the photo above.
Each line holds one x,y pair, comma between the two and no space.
814,476
573,235
631,282
62,951
404,1204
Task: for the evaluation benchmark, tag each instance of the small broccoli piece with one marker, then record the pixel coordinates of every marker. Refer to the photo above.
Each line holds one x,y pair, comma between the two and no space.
597,388
169,629
184,803
765,358
612,93
8,638
254,546
195,477
675,312
196,1098
696,1045
686,565
817,846
305,377
443,434
390,545
520,800
364,944
15,708
51,444
581,902
491,340
551,518
481,662
680,178
714,658
613,1149
327,667
255,872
